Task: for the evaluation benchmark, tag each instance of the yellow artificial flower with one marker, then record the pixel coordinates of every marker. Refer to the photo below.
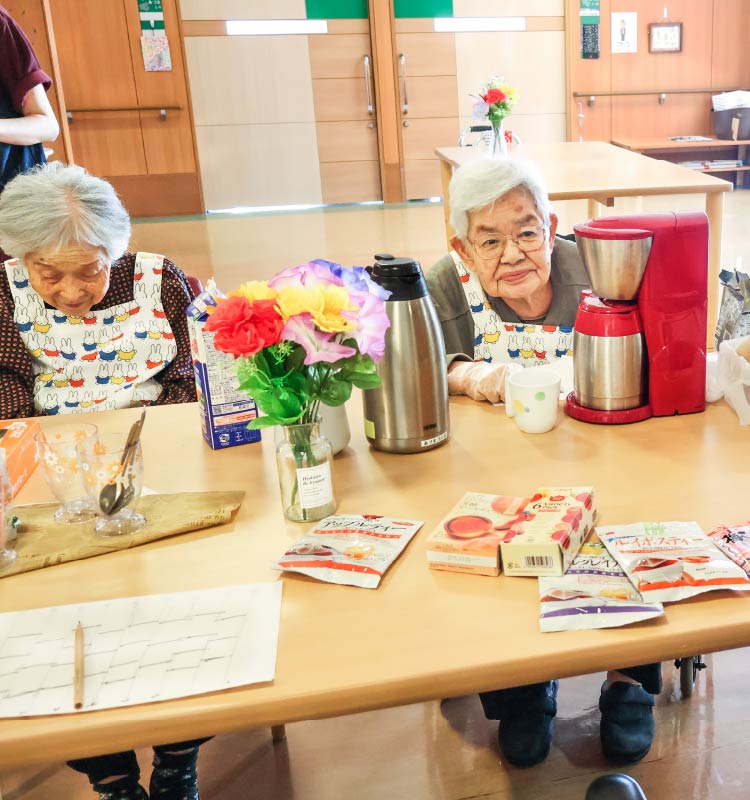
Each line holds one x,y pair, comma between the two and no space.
255,290
323,303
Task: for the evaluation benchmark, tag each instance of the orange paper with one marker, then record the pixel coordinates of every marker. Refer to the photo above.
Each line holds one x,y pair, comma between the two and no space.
17,439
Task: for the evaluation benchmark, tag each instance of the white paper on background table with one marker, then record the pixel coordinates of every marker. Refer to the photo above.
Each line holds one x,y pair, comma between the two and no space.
139,649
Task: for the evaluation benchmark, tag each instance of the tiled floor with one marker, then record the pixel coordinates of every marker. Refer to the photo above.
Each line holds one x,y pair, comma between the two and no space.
434,751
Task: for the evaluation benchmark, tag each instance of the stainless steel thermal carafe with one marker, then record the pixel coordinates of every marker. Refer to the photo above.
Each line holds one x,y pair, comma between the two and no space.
408,412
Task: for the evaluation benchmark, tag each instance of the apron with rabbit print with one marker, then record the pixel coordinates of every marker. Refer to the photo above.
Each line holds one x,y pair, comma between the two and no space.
104,360
529,344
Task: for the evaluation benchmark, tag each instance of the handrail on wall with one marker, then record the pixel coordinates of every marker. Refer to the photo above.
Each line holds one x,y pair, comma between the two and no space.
161,109
662,93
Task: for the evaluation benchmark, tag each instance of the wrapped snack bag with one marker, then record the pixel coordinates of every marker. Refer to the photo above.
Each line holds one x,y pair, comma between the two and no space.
352,549
669,561
593,593
735,543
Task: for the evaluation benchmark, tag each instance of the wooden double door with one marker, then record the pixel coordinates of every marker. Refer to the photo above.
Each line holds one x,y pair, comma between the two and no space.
126,124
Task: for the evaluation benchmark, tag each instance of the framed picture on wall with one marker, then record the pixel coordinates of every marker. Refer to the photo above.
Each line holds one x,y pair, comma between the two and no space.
665,37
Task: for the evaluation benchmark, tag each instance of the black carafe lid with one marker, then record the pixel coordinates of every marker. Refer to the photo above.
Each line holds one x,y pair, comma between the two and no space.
401,276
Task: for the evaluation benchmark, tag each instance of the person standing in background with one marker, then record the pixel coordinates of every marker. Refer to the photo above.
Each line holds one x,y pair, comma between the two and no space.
26,117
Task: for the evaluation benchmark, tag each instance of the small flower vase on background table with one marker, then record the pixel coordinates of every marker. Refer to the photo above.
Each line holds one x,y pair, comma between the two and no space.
499,142
303,457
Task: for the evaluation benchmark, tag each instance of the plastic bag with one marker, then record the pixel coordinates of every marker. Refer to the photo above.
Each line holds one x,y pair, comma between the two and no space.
734,378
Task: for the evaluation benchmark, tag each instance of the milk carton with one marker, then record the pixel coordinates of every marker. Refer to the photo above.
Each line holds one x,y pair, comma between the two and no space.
225,410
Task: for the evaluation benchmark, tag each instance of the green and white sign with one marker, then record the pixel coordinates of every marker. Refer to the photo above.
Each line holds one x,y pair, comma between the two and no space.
590,29
151,13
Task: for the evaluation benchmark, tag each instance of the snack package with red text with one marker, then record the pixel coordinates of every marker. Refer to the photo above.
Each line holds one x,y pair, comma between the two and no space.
593,593
669,561
351,549
734,542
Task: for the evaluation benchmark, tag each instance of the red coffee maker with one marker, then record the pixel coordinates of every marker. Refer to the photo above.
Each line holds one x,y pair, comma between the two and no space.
639,344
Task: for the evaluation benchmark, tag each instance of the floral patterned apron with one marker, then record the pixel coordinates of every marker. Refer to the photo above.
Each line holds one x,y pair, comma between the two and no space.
105,359
520,342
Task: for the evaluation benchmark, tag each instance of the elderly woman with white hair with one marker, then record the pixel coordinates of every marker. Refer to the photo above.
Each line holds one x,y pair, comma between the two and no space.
84,325
509,291
508,294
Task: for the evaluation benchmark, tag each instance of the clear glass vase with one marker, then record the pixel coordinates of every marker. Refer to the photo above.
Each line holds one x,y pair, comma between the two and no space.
499,142
303,458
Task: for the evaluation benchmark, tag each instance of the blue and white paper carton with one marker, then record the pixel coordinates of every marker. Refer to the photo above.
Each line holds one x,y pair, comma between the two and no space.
225,410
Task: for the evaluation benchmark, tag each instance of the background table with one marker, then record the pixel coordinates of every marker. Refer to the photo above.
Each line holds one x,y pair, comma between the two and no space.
600,172
422,634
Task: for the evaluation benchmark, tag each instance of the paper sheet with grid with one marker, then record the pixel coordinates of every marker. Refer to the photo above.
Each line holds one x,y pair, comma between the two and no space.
139,649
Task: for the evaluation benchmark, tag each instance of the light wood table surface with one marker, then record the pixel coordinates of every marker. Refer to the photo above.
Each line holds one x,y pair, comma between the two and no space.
422,634
600,172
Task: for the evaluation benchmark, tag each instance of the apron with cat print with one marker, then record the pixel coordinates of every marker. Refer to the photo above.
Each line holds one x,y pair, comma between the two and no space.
529,344
103,360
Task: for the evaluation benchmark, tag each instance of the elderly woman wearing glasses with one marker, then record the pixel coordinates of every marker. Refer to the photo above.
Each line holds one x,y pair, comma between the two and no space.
507,295
84,325
509,291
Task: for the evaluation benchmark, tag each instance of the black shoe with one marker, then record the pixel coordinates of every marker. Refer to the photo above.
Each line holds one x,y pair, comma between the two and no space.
627,726
175,776
615,787
525,732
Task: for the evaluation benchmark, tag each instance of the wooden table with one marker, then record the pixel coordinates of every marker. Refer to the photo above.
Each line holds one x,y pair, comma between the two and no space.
600,172
422,634
669,150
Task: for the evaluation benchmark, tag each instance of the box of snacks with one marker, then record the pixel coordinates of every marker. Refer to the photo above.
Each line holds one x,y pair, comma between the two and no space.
546,539
17,440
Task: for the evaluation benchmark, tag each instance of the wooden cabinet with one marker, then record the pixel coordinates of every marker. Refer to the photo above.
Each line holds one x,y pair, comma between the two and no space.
428,105
116,124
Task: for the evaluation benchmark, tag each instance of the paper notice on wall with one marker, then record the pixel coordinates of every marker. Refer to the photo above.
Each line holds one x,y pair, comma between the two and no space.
624,32
154,42
589,28
156,56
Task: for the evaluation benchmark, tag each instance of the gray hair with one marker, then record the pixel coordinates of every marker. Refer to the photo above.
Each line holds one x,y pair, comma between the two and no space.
480,183
55,206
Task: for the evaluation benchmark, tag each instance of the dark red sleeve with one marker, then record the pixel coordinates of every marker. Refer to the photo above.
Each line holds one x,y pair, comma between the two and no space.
19,68
16,374
178,379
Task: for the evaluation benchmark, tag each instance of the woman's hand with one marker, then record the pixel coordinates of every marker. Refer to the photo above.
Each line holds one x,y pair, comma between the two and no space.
479,380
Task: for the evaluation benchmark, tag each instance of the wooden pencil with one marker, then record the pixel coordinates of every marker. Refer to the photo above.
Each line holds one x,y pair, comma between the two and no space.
78,669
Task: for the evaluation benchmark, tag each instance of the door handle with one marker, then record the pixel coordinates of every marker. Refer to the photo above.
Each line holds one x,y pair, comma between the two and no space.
368,85
402,69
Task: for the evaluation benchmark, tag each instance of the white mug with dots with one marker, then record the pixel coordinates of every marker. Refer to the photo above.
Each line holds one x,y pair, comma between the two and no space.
531,398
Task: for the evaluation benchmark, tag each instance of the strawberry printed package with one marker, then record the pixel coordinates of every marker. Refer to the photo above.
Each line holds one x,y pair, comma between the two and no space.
468,539
545,540
593,593
669,561
734,542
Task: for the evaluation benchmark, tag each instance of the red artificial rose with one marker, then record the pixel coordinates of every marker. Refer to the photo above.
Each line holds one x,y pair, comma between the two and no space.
243,328
494,96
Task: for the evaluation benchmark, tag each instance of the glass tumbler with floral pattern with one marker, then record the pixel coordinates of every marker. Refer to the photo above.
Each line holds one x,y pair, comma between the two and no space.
114,480
57,446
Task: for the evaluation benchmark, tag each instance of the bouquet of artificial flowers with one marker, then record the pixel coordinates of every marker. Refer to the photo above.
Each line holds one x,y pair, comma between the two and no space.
303,338
496,101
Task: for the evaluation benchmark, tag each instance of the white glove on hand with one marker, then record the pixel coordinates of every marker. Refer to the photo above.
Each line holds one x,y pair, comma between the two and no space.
480,380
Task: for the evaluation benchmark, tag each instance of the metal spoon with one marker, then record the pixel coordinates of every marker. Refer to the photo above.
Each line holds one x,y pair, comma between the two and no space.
112,492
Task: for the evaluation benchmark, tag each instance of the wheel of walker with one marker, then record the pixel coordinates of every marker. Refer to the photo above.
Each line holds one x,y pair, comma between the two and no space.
688,672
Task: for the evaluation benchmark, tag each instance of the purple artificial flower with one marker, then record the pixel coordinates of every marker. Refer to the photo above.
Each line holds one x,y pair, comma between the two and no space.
318,345
307,275
372,323
481,109
359,280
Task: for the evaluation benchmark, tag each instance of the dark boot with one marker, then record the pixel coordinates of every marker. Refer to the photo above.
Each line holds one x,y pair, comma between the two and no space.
627,726
526,715
175,775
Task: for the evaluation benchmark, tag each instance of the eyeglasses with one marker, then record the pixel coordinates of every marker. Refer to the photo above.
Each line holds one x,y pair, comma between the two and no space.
492,246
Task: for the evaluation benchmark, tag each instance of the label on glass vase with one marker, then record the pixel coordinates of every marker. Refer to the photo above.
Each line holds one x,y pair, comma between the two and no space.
315,486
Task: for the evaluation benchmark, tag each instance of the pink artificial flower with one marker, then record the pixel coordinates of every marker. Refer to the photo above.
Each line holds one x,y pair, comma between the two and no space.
372,323
318,345
307,275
